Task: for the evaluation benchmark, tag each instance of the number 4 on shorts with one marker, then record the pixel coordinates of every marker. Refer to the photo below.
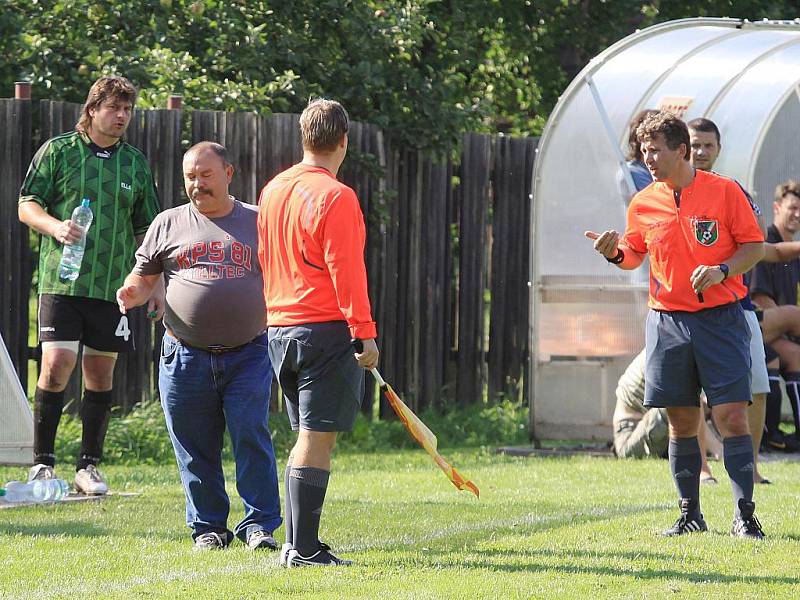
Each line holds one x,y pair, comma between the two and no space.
122,328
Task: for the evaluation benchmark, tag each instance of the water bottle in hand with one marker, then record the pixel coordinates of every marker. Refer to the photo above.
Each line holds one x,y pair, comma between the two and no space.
72,255
38,490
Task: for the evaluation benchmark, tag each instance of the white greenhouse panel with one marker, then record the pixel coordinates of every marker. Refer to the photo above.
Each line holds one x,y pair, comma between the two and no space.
16,420
587,317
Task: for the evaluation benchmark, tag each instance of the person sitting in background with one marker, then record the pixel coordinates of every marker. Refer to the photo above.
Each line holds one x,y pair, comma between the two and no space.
639,431
772,286
639,173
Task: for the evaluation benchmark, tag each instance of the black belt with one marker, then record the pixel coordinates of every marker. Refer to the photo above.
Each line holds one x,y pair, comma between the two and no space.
214,348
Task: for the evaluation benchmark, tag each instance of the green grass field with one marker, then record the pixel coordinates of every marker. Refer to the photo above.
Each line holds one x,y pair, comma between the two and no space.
576,527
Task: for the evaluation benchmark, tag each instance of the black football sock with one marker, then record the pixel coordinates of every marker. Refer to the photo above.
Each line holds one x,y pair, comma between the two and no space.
307,489
47,407
774,400
793,391
95,414
737,453
685,462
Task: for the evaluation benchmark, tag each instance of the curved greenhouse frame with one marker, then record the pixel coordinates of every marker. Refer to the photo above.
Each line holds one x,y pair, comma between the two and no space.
587,318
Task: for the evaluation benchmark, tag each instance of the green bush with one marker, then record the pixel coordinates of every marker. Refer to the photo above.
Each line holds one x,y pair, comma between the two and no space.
140,437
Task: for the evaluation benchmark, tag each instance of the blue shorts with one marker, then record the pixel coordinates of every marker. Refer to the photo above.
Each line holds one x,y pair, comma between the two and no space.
687,351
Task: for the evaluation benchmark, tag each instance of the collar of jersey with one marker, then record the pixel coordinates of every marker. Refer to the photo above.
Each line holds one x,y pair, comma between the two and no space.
94,147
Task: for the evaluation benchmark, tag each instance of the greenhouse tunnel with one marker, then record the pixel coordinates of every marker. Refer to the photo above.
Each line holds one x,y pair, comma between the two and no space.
587,317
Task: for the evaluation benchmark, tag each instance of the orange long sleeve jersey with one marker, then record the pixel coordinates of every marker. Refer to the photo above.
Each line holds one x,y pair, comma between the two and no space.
311,249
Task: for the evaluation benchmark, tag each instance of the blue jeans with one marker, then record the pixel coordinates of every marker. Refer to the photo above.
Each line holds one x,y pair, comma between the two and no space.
200,393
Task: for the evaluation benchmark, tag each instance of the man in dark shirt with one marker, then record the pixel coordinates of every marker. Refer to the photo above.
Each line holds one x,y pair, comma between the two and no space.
776,284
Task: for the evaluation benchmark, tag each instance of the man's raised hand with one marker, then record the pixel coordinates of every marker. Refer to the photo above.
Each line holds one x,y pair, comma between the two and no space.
605,243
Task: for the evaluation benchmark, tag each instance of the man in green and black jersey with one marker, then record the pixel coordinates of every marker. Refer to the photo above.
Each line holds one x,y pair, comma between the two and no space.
91,162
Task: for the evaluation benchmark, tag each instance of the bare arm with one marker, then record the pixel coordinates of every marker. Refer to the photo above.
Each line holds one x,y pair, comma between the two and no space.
763,301
37,218
744,259
608,244
781,251
157,303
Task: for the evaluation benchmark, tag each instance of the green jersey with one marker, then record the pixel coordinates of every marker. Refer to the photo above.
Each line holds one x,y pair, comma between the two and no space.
119,184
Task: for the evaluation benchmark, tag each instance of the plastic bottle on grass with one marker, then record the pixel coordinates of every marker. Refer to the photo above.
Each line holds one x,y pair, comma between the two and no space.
72,254
39,490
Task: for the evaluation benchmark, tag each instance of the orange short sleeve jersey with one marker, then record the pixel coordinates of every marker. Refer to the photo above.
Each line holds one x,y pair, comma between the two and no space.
713,218
311,239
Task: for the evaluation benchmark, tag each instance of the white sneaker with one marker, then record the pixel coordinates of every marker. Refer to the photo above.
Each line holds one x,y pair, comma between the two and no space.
285,549
41,471
89,481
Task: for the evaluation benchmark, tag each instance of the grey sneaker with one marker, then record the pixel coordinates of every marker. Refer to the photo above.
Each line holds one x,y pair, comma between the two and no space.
210,540
321,558
41,472
260,539
89,481
284,556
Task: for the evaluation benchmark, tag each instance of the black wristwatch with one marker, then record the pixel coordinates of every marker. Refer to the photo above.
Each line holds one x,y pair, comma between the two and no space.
618,258
724,268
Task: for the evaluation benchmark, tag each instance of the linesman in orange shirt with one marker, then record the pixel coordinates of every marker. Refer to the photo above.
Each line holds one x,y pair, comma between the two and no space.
701,235
311,248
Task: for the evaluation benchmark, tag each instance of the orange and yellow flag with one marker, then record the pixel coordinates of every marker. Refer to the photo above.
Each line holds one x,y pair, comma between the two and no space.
425,437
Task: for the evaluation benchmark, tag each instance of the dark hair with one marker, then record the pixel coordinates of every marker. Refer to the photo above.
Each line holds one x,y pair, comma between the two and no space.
634,147
214,147
704,125
667,124
322,125
103,88
787,187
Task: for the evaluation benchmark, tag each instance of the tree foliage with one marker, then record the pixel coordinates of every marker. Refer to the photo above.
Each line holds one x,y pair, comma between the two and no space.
427,70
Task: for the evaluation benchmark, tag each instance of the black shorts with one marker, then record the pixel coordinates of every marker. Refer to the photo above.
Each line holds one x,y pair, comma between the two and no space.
321,381
96,323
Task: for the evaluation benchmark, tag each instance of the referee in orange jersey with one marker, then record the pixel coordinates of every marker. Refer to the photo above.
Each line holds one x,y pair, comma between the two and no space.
701,235
311,249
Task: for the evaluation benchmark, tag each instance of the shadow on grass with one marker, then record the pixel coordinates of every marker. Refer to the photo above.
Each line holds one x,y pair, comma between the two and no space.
85,529
67,528
568,555
513,524
60,519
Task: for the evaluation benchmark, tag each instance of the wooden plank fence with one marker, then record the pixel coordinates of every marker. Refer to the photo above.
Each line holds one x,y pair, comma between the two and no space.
15,256
447,245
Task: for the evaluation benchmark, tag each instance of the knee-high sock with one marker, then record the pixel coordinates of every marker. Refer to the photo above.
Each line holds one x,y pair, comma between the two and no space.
288,526
95,413
47,407
774,400
737,453
308,486
685,462
793,391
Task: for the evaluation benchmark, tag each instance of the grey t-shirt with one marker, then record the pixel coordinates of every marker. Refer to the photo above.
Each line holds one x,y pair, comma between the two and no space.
215,291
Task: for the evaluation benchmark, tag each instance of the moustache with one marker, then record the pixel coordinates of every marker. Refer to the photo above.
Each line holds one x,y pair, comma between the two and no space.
199,191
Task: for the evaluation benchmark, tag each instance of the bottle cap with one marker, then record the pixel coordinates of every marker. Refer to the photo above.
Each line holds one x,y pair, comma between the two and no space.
2,492
85,202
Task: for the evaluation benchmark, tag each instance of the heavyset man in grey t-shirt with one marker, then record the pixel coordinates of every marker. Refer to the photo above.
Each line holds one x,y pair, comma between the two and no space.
214,367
